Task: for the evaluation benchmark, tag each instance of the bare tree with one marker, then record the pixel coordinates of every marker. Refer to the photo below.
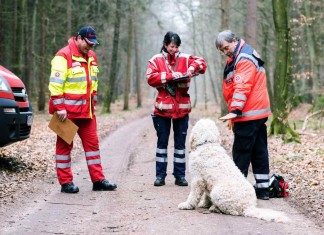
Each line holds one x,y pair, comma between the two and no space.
251,23
129,58
42,70
224,25
114,60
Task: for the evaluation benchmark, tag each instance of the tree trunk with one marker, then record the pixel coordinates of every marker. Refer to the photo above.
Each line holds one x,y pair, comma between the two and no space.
21,40
14,40
195,52
224,25
114,60
68,19
137,63
313,81
251,23
31,87
282,78
42,69
129,58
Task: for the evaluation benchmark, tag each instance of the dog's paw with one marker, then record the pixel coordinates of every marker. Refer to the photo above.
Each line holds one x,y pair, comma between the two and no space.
214,209
204,204
185,206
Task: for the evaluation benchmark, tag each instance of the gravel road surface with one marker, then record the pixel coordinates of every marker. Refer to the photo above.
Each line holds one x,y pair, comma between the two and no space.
136,207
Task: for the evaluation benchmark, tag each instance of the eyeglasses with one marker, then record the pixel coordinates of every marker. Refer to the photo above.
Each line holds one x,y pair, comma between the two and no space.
88,44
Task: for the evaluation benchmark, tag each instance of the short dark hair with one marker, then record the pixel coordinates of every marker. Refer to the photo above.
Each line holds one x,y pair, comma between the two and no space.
170,37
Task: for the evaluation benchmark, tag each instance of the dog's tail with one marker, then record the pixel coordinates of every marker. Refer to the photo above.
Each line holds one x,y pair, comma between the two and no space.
266,214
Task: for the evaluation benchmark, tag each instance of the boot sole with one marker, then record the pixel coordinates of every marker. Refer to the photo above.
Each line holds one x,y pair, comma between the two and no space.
102,189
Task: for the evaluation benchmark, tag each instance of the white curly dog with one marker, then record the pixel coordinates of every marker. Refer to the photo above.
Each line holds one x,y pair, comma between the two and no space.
216,182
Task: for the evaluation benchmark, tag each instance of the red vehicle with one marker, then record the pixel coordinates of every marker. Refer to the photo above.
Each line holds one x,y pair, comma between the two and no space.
16,116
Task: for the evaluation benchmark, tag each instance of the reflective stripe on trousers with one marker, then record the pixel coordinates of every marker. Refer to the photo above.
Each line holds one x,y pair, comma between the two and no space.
162,126
250,146
88,134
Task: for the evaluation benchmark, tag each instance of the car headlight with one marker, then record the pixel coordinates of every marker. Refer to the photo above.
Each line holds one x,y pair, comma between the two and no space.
4,86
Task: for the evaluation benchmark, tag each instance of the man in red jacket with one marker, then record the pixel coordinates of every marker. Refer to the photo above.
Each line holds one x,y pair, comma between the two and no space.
245,91
73,87
172,106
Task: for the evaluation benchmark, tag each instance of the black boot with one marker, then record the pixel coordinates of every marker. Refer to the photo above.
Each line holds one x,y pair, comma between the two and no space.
181,181
262,194
159,181
103,185
69,188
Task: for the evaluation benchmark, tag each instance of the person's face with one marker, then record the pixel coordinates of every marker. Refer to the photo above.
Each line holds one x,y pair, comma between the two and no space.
172,48
228,47
83,46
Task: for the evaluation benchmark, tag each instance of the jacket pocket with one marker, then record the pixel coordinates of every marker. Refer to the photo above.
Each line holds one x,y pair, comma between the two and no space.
164,104
185,104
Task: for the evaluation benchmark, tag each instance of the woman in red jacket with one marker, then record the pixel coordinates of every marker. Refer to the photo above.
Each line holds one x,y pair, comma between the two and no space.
172,104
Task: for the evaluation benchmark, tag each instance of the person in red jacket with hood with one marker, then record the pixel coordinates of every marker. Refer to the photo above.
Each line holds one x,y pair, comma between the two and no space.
73,87
172,106
246,94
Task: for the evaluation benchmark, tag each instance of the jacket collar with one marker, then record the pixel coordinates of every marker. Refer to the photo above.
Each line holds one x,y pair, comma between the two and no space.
238,48
171,58
74,48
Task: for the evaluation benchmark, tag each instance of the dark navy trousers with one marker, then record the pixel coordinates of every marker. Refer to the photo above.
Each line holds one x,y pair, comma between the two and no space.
251,147
162,126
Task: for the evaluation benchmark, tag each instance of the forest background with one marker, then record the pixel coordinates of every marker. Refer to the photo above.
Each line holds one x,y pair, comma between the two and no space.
288,34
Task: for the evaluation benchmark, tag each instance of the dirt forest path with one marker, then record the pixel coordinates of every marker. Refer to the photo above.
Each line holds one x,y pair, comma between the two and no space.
136,207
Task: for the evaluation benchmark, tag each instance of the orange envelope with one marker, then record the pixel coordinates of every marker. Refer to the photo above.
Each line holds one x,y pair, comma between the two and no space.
66,130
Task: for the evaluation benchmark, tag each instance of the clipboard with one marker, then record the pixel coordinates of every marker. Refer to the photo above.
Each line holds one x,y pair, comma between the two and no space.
66,130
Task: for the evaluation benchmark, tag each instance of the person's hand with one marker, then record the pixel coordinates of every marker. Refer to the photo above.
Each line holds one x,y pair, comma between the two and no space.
190,71
228,116
176,74
62,114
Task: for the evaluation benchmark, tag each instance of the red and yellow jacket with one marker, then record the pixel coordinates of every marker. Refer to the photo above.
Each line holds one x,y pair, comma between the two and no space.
158,74
73,82
245,85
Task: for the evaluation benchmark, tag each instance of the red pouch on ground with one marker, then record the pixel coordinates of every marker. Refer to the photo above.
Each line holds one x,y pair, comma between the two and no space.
278,187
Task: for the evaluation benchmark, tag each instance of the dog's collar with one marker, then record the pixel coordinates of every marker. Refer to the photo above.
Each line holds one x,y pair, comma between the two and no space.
206,142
